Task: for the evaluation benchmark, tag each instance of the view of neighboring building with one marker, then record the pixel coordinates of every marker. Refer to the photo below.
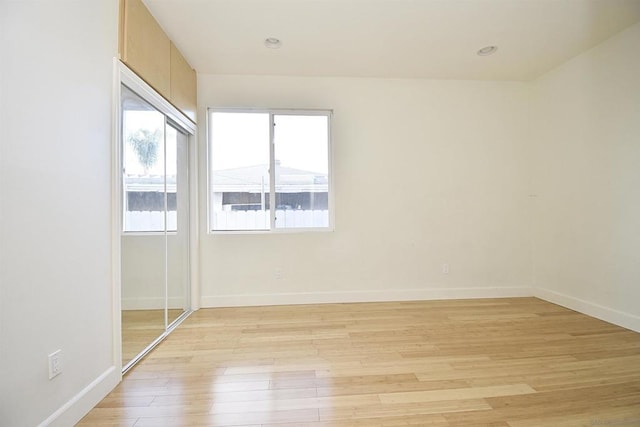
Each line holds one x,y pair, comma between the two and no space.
240,198
247,189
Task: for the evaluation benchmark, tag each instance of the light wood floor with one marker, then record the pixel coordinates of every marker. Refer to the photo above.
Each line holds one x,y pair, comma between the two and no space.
140,328
501,362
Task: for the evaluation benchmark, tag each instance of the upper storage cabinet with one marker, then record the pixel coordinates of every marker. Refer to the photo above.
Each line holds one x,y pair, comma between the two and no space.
183,84
147,50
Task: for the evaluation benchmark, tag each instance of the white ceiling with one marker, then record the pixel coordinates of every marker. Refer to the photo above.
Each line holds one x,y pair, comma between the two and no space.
389,38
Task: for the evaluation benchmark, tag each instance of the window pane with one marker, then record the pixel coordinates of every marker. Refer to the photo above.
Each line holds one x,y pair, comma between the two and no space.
239,171
302,171
143,164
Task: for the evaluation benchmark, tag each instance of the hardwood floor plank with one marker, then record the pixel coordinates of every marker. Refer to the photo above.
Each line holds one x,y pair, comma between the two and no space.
513,362
102,421
266,417
389,387
295,404
620,417
406,409
456,393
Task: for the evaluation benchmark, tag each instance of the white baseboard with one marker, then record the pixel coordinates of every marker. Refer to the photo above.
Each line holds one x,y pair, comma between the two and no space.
80,404
151,303
361,296
626,320
620,318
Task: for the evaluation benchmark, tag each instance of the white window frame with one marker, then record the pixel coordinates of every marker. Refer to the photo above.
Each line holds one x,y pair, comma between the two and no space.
272,195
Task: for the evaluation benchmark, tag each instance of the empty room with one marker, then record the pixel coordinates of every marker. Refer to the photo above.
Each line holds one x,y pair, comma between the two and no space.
320,213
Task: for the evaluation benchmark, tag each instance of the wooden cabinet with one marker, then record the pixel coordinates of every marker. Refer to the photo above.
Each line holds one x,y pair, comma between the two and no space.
147,50
183,84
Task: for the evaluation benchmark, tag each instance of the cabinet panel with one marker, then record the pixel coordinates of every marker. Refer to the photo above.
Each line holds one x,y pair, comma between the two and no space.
183,84
146,48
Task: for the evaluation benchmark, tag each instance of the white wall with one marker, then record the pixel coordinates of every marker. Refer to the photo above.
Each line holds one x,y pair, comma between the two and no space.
587,178
455,155
450,154
55,275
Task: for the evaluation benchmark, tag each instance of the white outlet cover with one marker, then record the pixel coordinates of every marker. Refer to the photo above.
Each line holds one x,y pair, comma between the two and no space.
55,364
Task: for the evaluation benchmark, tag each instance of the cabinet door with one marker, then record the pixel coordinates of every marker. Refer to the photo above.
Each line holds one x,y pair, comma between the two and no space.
183,84
146,48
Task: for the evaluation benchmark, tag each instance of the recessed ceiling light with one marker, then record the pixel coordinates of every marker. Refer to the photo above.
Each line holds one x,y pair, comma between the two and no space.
487,50
272,43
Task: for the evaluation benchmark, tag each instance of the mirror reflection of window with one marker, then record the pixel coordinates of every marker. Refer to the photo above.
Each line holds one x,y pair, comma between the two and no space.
149,168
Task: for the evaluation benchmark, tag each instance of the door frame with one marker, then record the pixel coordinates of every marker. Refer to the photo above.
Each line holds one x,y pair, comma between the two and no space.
124,75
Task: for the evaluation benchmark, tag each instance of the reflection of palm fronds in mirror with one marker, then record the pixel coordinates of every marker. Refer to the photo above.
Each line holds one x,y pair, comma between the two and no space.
145,144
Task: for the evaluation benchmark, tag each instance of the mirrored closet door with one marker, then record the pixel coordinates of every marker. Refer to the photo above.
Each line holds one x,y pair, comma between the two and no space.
154,251
178,238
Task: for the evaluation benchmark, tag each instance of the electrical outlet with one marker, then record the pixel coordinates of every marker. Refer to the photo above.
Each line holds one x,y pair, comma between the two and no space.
277,274
445,268
55,364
